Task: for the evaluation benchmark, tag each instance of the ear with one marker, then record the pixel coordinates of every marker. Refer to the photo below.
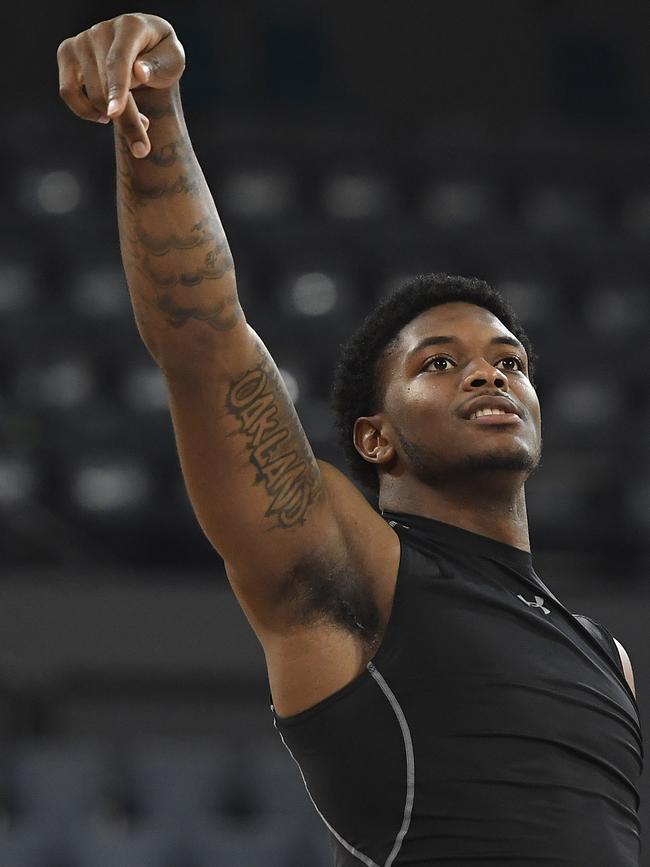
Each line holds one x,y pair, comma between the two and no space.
371,440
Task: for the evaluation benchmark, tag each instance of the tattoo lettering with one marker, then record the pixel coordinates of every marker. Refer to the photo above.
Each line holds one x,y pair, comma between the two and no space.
278,448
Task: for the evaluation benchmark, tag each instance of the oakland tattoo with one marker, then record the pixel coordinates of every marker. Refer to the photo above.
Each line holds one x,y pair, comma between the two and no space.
278,448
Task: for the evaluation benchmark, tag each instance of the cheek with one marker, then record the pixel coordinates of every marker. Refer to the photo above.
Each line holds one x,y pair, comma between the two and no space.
426,417
531,402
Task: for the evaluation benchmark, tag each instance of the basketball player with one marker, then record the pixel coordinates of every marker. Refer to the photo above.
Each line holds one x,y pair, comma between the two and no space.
443,705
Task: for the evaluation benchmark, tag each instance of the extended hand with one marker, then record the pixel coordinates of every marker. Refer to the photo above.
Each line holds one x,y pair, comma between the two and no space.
100,67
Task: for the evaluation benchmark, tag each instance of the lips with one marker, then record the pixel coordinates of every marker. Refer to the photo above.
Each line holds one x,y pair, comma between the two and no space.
492,407
482,413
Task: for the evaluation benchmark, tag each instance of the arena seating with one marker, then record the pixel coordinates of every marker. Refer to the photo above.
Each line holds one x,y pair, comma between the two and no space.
158,803
322,224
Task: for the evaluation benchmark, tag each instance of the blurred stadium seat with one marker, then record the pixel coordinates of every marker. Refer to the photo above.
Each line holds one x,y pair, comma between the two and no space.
324,226
461,204
154,804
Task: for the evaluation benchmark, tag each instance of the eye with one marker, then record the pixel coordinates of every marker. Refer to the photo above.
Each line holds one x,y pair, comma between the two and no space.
439,363
512,362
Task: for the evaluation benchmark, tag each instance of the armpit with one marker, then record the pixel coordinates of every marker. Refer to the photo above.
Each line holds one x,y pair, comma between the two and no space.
316,592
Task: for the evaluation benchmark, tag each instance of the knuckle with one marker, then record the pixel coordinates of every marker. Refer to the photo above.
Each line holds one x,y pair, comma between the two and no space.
131,18
114,58
83,113
181,51
65,91
155,64
114,90
64,48
80,43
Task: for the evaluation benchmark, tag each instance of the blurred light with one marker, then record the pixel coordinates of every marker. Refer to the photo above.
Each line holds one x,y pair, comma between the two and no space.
58,192
586,403
109,486
638,503
17,286
458,203
145,389
314,294
61,384
551,210
318,421
532,301
101,292
616,309
355,197
18,481
552,500
291,383
636,215
258,193
395,281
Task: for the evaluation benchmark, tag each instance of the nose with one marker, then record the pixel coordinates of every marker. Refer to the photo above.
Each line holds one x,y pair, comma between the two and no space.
484,374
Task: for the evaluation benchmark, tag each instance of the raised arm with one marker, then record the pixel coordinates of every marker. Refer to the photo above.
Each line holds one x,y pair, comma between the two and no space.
279,519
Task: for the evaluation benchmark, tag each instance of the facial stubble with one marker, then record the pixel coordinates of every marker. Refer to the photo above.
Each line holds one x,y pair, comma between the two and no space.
430,467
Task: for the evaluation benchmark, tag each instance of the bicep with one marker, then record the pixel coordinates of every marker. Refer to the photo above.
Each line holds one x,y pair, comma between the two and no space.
259,494
252,478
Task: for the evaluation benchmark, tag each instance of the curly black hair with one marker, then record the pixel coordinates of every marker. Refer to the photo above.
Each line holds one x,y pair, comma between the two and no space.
355,389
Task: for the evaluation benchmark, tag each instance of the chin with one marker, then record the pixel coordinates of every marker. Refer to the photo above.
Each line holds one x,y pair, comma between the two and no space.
514,460
434,468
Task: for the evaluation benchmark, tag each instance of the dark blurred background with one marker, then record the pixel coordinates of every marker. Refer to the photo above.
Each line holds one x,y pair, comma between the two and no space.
349,146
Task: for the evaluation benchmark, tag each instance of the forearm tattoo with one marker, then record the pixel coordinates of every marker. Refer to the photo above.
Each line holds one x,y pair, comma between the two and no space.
176,275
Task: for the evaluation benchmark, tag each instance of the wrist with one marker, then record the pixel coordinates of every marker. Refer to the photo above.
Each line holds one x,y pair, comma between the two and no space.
156,103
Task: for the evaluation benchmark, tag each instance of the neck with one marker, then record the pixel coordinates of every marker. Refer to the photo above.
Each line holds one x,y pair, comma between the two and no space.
496,510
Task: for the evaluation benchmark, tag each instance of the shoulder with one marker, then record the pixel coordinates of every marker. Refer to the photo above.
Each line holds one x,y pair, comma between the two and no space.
605,638
627,665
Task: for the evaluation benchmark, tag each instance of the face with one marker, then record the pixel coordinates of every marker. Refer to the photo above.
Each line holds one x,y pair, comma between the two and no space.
457,399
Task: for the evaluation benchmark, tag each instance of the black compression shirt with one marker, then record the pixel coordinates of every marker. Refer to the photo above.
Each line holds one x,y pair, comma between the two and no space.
492,727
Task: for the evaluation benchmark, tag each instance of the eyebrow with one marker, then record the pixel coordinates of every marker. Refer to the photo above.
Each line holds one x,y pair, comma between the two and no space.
439,339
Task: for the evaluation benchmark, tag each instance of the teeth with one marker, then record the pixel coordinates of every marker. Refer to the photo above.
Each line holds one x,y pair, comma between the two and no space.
487,411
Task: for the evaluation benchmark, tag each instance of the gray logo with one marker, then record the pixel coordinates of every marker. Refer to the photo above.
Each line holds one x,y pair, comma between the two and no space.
538,603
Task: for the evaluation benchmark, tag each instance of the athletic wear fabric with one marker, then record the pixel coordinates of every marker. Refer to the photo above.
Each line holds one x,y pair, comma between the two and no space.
492,726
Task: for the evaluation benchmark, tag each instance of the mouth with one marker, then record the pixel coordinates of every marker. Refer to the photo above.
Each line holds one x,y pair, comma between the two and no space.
493,417
492,410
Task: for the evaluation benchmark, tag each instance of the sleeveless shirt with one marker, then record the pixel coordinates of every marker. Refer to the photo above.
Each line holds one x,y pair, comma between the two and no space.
492,726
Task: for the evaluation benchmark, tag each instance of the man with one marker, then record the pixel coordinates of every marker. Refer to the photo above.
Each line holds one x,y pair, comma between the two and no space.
442,704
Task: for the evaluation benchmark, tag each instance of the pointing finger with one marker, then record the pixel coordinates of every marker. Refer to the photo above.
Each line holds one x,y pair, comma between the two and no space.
132,126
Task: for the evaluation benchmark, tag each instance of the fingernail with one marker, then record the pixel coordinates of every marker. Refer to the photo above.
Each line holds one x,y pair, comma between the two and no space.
139,149
103,119
146,69
113,105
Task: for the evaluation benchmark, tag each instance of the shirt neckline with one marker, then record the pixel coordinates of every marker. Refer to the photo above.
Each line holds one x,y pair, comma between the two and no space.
466,540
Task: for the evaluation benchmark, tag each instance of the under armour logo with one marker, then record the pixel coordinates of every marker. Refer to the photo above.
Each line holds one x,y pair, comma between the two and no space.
538,603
